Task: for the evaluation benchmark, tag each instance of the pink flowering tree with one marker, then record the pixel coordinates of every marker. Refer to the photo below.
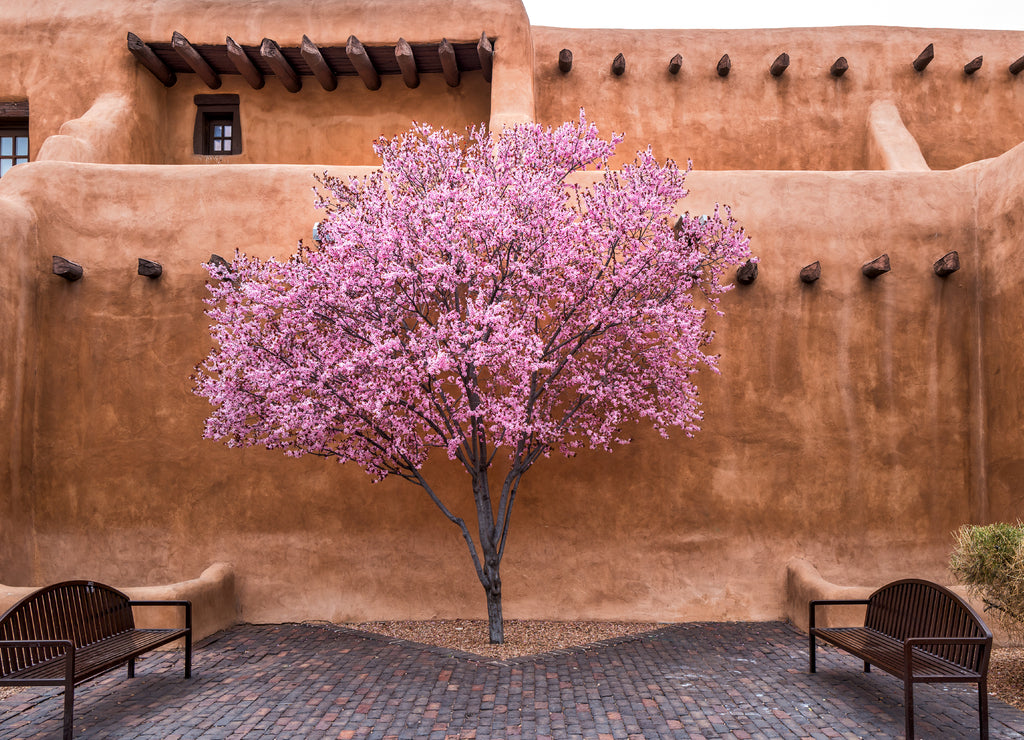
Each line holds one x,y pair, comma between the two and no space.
477,296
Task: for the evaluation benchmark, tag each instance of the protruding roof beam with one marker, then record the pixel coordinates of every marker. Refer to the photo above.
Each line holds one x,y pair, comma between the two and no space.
323,73
150,269
485,52
1017,67
148,59
876,267
779,65
723,66
811,273
449,64
270,51
565,61
407,63
619,65
747,273
361,61
675,64
973,66
924,58
191,57
947,264
839,67
244,64
65,268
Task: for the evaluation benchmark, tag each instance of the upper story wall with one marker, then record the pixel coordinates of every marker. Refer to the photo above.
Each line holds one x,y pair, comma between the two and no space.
71,62
806,119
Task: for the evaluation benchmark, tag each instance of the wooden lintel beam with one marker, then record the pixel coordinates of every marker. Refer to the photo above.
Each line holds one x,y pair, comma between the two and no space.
148,59
323,73
191,57
1017,66
485,52
270,51
361,61
619,65
70,271
150,269
839,67
723,66
449,64
675,64
565,61
407,63
924,58
780,65
973,66
244,64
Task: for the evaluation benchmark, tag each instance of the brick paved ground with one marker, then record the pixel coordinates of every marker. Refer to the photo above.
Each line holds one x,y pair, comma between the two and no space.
685,681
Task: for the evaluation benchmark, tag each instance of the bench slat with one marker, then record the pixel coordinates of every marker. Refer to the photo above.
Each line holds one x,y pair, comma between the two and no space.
887,653
100,656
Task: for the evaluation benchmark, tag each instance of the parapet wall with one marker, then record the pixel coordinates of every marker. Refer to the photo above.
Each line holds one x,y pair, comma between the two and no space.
804,119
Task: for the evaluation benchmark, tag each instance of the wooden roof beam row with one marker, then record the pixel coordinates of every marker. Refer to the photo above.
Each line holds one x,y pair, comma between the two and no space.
326,64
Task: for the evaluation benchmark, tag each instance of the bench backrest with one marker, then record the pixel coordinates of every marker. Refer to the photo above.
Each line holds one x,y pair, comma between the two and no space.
80,611
916,608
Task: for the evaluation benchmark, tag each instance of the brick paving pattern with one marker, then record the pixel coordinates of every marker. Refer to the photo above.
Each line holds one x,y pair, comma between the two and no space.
709,680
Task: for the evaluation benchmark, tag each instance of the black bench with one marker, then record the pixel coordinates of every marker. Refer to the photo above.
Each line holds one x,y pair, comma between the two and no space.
919,632
64,634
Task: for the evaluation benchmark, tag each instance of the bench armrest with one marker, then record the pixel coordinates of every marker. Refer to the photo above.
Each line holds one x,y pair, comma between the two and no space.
911,642
173,602
832,602
68,651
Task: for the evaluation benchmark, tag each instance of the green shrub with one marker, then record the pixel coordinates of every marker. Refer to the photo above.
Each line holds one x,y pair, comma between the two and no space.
989,560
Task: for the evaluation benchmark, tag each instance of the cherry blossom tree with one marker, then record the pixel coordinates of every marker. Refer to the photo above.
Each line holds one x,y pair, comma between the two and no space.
482,295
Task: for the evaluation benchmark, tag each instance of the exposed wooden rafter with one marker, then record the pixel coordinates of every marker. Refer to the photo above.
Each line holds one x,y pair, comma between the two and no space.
243,64
485,51
407,63
449,63
356,53
323,73
148,58
194,60
271,52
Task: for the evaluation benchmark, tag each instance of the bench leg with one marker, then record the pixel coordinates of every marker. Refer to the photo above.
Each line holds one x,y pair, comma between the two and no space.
69,710
131,668
188,655
812,652
983,708
908,701
867,667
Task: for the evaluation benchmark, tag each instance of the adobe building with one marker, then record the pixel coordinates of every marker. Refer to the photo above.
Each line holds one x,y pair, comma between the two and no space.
857,422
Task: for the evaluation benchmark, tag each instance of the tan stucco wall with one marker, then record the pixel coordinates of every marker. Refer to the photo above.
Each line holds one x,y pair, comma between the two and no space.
856,424
842,428
805,119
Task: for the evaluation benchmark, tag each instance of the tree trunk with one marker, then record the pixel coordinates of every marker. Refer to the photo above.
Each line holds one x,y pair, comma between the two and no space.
495,623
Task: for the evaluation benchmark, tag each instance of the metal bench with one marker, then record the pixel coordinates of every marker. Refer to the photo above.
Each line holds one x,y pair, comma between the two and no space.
919,632
64,634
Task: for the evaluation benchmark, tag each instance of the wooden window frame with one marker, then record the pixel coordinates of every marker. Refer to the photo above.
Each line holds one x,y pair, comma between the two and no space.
210,108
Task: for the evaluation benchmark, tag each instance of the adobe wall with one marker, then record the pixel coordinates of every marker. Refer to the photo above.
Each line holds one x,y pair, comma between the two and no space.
66,59
803,120
840,430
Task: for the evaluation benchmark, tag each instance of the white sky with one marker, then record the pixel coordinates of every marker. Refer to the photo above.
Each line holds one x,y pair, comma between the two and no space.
986,14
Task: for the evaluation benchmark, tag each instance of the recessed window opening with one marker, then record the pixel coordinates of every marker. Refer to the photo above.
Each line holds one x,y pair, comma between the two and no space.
218,128
13,135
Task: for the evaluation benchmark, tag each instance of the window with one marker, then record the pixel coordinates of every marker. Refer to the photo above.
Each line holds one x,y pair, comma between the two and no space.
217,129
13,135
